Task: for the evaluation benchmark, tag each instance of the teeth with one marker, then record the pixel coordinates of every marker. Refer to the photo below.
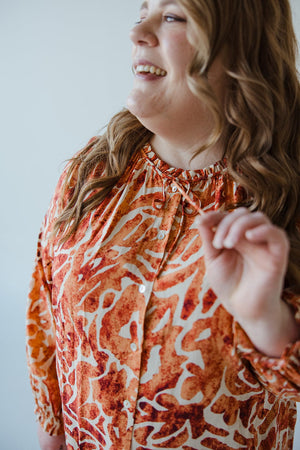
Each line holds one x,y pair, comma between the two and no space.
151,69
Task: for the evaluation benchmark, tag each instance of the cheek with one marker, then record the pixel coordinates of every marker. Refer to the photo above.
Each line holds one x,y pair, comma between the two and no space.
180,52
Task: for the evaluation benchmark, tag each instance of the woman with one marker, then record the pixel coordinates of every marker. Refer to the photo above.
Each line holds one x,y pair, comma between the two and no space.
134,341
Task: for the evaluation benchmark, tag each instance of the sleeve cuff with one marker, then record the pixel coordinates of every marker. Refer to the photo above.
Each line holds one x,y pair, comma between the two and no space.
50,424
280,375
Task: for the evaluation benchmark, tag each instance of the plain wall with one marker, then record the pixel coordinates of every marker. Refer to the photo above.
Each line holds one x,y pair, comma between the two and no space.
65,70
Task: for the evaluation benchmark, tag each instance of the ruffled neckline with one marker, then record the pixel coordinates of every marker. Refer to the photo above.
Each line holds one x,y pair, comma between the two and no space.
161,166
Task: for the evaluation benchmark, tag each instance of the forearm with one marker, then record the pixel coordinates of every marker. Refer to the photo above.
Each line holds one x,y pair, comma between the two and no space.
272,334
246,259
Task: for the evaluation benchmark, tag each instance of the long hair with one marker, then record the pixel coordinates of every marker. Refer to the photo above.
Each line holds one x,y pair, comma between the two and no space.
259,122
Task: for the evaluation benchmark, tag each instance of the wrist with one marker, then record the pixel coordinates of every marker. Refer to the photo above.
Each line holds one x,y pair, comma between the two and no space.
48,442
271,334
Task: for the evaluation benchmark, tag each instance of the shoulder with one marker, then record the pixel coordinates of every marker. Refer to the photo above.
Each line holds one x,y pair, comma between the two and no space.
86,164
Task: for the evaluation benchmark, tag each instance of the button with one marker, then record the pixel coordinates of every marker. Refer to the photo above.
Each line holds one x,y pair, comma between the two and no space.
161,235
133,347
142,288
174,189
126,404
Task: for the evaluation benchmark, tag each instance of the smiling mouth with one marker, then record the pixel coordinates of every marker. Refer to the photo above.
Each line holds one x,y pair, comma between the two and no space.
150,69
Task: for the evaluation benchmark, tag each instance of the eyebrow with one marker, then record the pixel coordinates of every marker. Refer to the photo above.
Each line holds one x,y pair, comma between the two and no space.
162,3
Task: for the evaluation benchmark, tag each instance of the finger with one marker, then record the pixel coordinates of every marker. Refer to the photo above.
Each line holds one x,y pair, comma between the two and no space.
240,226
224,225
207,225
273,236
233,229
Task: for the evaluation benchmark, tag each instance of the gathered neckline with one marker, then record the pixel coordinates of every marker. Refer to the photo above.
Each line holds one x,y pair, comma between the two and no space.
190,175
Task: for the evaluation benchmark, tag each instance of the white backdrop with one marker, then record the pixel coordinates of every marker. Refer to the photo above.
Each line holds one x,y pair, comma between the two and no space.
65,70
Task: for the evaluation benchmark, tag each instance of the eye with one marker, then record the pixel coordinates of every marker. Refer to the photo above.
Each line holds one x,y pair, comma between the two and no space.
140,20
173,18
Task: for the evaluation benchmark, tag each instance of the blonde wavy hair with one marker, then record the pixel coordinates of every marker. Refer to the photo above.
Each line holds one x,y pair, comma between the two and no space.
260,119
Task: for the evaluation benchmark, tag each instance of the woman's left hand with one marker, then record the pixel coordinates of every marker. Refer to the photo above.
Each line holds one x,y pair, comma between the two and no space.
246,260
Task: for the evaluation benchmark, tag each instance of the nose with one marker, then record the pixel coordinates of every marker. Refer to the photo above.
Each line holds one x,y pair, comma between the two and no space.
143,33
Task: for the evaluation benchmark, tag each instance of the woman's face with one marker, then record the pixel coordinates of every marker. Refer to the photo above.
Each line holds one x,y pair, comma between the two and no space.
161,54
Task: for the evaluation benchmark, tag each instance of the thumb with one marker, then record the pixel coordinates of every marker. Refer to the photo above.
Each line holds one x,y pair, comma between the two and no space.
207,224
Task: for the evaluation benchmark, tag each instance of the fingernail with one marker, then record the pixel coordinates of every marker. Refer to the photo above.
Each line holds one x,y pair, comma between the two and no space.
217,243
228,242
249,234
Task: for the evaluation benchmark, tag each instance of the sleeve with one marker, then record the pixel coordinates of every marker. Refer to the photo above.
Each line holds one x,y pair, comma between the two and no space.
40,323
281,376
40,348
40,333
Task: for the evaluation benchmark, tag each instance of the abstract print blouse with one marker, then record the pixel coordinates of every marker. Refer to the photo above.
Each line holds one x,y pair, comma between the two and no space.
128,346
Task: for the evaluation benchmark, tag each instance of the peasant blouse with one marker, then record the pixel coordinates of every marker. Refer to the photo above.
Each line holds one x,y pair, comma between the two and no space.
128,346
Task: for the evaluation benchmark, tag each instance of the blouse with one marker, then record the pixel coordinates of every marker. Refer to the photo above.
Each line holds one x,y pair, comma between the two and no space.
128,346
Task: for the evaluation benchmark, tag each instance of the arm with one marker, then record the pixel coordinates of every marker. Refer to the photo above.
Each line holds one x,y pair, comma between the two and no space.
246,258
41,346
40,326
41,340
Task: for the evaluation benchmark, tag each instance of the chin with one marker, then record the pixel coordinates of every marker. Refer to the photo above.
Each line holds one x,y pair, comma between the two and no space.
131,106
138,111
143,107
136,103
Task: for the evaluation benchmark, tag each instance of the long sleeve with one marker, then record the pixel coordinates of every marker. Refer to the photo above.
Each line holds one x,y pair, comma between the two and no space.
281,376
40,325
41,344
40,329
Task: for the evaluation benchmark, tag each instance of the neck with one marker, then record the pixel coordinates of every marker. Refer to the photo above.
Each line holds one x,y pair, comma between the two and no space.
180,155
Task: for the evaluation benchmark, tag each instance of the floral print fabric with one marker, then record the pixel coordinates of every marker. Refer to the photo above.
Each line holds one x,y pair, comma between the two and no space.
129,348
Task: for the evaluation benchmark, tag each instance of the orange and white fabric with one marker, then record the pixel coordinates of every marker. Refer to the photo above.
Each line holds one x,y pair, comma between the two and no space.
129,348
